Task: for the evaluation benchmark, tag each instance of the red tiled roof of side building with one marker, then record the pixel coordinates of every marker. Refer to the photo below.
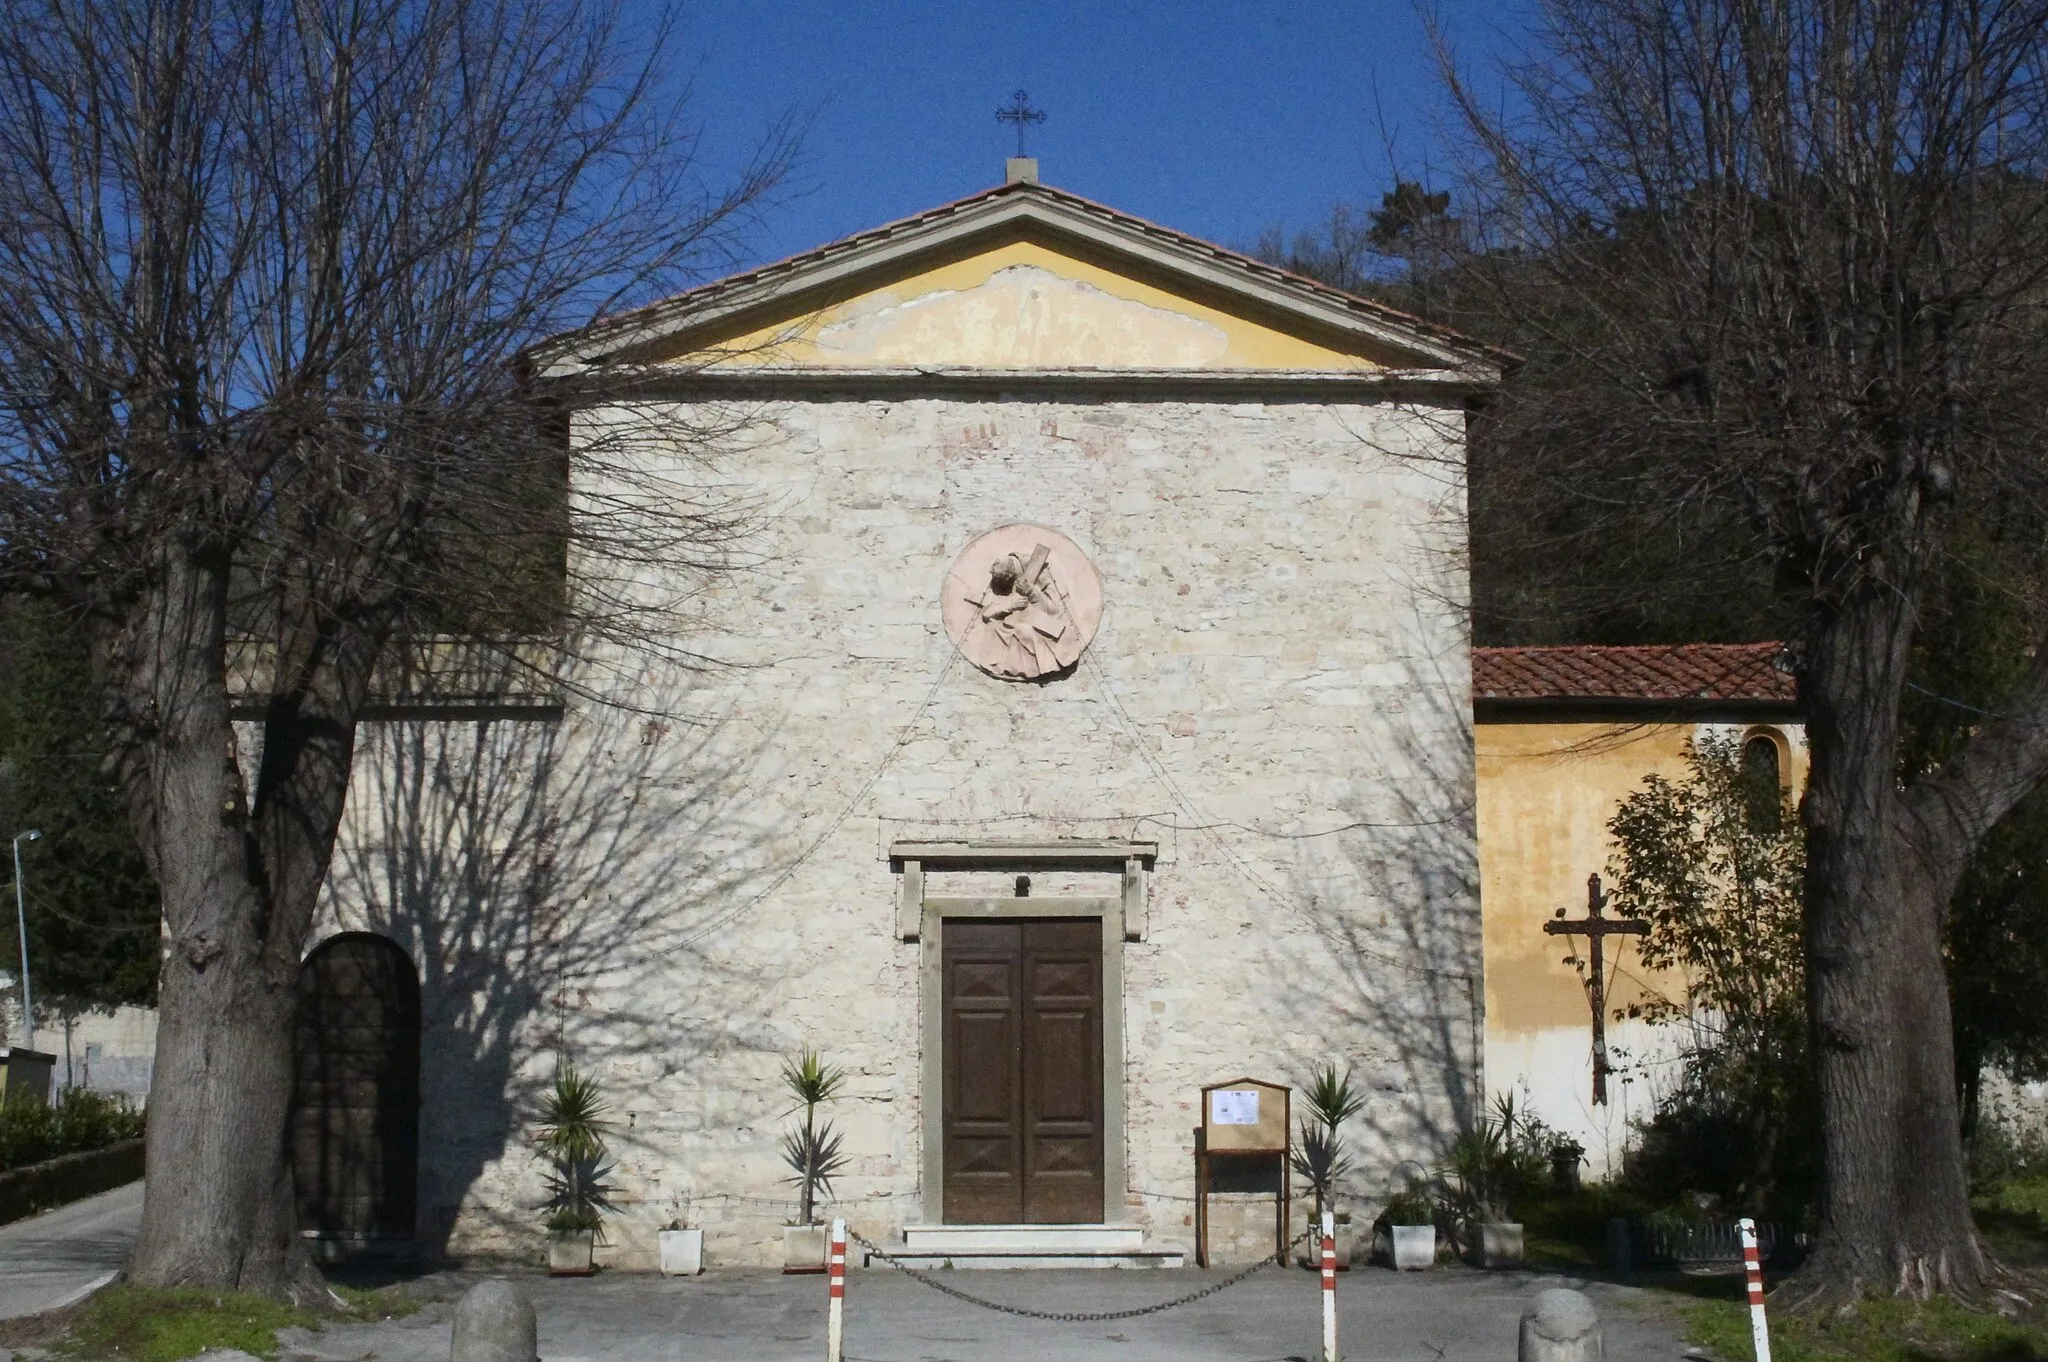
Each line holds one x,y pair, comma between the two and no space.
1668,672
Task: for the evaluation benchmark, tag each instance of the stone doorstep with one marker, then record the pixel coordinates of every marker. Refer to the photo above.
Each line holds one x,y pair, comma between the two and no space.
1031,1246
1022,1238
974,1259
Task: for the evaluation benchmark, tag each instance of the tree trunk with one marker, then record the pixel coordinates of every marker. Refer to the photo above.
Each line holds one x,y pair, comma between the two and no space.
218,1210
1895,1211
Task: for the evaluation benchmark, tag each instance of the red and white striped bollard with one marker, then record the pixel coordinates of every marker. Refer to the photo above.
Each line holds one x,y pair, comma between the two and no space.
1759,1331
835,1319
1329,1288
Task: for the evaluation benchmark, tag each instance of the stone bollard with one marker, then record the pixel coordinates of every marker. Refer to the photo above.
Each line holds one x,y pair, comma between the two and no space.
1560,1326
494,1323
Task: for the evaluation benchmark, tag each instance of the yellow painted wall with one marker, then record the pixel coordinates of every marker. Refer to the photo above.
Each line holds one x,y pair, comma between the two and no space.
1546,792
1023,304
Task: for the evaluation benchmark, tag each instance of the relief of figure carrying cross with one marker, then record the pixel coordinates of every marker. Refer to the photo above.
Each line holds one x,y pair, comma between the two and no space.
1596,929
1022,602
1025,611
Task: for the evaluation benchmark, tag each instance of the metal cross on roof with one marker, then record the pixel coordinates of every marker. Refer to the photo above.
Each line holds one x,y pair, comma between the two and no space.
1020,112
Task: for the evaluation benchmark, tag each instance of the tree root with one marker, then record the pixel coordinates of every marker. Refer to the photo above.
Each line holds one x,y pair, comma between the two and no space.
1816,1292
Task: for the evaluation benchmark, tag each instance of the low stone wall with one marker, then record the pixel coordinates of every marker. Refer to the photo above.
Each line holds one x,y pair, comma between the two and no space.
66,1178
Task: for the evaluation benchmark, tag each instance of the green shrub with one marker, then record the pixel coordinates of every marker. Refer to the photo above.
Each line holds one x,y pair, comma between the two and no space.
79,1120
1714,863
1570,1228
1755,1156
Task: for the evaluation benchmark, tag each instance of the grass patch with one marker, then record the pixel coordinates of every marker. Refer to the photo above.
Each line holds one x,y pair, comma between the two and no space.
381,1302
153,1324
2013,1218
1881,1330
156,1324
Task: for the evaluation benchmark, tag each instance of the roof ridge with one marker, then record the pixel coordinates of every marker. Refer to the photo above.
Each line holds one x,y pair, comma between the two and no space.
790,264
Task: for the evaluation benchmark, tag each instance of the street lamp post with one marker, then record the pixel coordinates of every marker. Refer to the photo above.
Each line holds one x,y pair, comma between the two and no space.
28,1016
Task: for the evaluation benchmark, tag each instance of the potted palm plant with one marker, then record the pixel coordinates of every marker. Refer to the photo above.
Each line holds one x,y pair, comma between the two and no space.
1320,1156
682,1244
1488,1170
579,1188
811,1150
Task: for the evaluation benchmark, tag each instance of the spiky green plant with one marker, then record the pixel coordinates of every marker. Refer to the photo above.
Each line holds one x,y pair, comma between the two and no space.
812,1149
572,1137
1330,1097
1492,1167
810,1079
1319,1156
580,1195
572,1124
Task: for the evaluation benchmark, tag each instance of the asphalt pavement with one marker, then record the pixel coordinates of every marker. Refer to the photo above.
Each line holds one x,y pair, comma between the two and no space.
1449,1315
60,1257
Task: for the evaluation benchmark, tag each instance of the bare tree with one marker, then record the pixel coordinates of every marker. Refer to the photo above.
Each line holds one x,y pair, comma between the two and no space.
266,269
1786,256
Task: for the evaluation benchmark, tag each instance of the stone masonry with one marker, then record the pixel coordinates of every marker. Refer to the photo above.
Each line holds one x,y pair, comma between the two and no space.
683,880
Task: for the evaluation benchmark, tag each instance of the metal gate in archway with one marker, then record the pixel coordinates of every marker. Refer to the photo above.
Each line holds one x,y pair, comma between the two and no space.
355,1114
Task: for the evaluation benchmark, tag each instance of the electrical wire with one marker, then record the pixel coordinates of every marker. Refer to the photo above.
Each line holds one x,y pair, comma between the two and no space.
845,810
1187,805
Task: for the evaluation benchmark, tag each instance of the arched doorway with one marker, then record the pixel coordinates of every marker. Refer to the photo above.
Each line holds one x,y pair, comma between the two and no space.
356,1097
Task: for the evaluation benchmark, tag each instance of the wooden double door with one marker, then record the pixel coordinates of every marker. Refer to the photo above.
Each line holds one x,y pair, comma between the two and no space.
1023,1071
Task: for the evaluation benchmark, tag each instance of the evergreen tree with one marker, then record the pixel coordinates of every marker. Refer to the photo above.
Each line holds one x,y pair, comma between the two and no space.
91,906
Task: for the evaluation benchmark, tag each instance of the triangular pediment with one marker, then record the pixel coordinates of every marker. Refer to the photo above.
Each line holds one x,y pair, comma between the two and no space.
1021,279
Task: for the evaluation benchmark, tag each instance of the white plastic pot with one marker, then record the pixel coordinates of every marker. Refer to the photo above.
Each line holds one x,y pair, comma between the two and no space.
682,1252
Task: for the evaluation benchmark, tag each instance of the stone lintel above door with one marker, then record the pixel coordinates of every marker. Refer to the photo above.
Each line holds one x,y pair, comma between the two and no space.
911,859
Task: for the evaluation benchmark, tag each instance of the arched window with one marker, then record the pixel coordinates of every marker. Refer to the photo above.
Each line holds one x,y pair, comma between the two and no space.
1763,782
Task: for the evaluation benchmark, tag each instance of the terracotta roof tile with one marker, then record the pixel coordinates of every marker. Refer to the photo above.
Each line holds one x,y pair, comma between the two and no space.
704,293
1682,671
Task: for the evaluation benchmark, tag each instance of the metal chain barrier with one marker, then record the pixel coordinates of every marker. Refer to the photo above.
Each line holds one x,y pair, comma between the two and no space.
1070,1316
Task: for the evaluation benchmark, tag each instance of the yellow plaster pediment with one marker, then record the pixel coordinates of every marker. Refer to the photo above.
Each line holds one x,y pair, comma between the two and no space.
1020,305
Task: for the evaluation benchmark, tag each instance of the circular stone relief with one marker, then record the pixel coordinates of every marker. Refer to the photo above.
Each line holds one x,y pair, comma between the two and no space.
1021,602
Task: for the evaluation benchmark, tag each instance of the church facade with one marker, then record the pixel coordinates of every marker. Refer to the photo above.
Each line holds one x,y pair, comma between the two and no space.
1081,715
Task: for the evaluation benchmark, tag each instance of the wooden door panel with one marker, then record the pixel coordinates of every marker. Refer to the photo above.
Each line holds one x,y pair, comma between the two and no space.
983,980
1069,1090
984,1086
1063,1072
984,1155
1023,1071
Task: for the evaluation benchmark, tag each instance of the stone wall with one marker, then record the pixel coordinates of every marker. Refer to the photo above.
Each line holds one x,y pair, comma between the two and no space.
679,889
112,1051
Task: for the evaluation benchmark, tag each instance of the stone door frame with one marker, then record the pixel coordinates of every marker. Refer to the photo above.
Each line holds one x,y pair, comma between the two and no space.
921,917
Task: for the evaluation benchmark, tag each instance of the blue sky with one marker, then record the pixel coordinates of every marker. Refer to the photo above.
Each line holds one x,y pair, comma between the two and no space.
1213,117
